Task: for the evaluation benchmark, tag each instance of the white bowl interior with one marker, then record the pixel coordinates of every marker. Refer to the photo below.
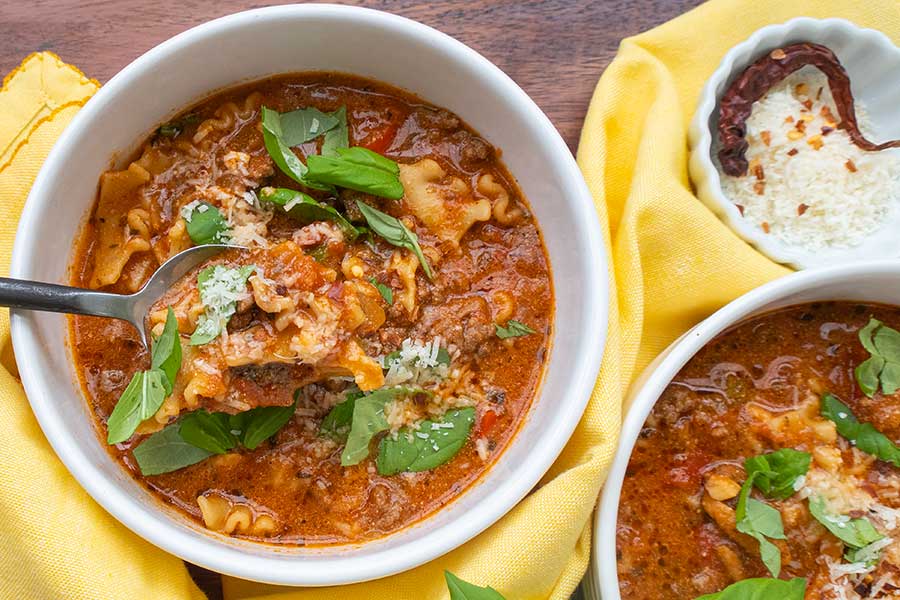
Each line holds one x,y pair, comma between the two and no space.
872,62
249,46
870,282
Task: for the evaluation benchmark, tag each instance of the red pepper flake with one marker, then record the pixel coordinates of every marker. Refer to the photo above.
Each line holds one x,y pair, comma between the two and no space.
801,208
826,130
740,208
765,226
827,114
792,152
766,137
808,104
801,126
758,172
789,119
851,166
759,187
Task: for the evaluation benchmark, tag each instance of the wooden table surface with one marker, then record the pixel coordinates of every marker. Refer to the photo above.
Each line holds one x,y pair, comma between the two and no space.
554,49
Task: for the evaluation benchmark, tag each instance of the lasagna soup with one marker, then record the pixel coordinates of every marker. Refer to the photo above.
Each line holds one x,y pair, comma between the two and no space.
364,349
768,468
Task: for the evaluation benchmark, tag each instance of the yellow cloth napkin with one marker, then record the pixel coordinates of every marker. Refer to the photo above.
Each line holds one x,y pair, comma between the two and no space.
673,264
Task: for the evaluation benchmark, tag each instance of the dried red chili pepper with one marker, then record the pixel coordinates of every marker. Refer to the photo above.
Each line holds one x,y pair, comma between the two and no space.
737,102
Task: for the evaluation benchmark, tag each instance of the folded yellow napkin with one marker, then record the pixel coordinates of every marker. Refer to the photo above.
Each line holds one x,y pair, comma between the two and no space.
673,264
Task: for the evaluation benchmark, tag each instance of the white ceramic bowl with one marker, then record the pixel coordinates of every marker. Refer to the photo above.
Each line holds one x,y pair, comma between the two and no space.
252,45
877,281
871,60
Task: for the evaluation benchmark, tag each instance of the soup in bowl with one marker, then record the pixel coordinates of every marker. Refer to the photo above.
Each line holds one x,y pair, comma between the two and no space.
759,456
370,374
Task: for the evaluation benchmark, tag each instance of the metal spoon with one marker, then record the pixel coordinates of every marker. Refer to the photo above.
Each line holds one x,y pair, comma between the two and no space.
33,295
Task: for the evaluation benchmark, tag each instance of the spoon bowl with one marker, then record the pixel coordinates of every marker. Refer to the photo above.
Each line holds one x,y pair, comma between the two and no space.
134,308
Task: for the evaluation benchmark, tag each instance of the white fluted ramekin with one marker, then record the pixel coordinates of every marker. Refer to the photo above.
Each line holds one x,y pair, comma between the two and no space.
303,37
873,63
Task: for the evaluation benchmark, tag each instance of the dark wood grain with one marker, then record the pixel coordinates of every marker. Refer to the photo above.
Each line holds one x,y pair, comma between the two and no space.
554,49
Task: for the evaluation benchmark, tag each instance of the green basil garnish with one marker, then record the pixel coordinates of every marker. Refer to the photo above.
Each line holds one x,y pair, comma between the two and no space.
338,136
368,420
463,590
147,389
429,446
776,472
220,288
166,451
166,353
259,424
174,128
855,533
761,522
200,434
281,152
305,124
305,209
394,232
386,292
761,588
336,424
513,329
883,366
357,169
208,431
140,401
862,435
206,225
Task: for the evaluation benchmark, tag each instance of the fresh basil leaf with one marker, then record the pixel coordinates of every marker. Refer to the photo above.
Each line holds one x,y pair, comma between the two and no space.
394,232
281,152
429,446
338,136
856,533
336,424
166,451
463,590
305,124
443,357
883,366
305,209
862,435
513,329
166,354
220,288
386,292
174,128
209,431
777,471
206,225
869,555
368,420
760,521
761,588
357,169
263,422
140,401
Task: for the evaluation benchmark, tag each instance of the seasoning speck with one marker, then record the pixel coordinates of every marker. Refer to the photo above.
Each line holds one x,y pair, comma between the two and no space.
802,208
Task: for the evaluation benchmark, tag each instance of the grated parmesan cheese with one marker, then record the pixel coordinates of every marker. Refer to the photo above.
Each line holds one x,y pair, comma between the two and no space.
808,185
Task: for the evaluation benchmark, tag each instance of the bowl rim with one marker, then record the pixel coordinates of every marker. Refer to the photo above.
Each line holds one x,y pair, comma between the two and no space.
151,523
706,176
648,387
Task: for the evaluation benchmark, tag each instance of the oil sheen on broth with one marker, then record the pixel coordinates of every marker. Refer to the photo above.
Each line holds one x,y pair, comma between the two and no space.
324,317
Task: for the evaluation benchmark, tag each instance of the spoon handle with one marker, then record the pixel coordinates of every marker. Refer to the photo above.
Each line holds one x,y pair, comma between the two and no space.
34,295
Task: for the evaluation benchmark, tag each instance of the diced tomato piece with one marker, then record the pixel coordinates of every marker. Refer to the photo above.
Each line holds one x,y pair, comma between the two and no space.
380,139
487,421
